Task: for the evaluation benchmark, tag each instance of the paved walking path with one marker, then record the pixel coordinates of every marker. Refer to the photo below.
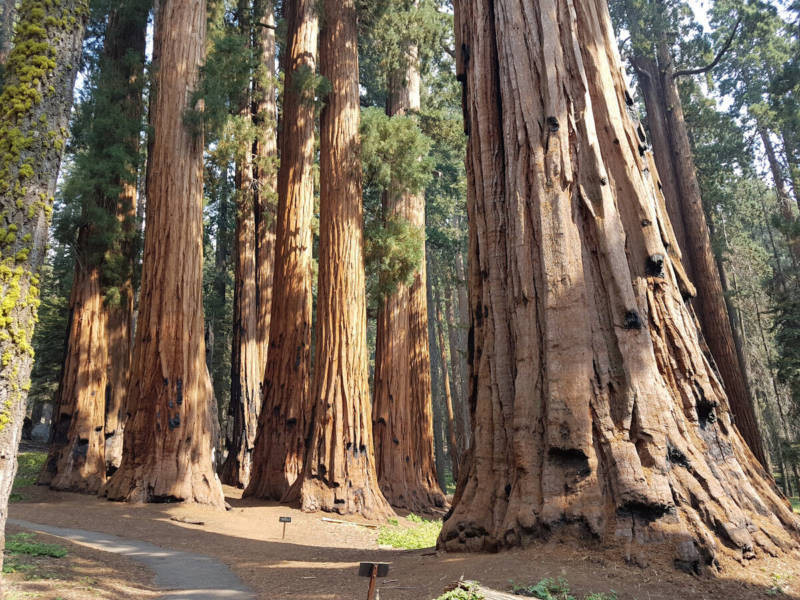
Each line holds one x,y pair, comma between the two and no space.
186,576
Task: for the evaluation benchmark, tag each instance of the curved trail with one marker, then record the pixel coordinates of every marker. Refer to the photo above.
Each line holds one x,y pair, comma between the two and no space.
186,576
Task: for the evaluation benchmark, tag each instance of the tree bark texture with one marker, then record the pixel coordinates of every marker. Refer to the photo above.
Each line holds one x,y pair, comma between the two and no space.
76,459
286,410
168,445
678,182
596,414
246,368
339,473
402,412
6,30
452,444
265,173
36,100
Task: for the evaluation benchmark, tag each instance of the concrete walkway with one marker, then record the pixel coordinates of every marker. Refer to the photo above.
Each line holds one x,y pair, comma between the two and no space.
186,576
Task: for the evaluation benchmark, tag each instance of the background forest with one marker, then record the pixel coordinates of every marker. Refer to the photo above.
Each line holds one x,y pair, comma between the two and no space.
735,66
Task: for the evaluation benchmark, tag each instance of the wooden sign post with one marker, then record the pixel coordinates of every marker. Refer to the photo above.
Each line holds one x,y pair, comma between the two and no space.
284,520
373,571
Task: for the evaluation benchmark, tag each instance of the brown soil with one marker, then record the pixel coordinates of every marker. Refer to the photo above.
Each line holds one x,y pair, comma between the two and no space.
319,560
83,574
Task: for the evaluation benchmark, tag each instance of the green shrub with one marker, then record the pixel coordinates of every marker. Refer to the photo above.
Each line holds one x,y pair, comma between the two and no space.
423,534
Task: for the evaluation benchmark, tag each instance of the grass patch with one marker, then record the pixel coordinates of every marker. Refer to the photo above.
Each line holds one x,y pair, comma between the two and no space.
26,543
29,466
463,592
422,534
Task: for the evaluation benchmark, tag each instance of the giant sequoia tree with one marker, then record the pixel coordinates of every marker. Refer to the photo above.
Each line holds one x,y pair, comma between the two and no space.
339,471
34,112
91,395
286,411
594,407
168,442
402,412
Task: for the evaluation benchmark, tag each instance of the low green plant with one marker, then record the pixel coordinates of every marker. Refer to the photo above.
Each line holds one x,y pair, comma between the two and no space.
465,591
423,533
556,589
29,467
26,543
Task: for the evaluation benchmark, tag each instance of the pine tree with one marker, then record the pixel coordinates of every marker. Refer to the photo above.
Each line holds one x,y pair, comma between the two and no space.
596,411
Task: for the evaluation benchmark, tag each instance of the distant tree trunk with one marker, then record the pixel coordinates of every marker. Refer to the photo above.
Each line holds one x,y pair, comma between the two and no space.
678,181
286,410
460,422
46,52
596,413
76,460
790,151
438,410
339,473
463,327
402,412
246,368
452,444
265,118
168,445
784,204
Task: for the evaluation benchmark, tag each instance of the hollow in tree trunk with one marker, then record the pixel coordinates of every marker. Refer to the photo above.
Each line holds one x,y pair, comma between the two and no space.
168,445
286,410
595,411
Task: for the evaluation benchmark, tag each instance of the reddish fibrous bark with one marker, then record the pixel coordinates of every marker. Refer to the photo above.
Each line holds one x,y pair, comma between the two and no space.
168,445
595,410
283,426
677,179
76,459
402,413
339,472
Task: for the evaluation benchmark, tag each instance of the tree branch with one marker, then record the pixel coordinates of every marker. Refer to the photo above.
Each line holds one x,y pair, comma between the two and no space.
717,58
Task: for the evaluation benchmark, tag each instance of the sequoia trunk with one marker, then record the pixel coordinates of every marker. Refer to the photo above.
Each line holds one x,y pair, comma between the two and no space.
37,98
286,411
167,450
595,411
339,473
402,413
681,191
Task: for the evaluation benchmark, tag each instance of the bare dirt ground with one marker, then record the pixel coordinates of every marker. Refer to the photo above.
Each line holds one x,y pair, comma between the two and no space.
319,560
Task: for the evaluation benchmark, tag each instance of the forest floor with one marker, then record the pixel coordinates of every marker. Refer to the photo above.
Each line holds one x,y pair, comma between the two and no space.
318,560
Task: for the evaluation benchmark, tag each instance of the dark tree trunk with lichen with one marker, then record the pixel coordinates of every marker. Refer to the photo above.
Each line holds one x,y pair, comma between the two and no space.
595,411
35,100
6,32
91,396
169,436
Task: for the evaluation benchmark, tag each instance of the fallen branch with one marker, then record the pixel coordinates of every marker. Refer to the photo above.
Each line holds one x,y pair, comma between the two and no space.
341,522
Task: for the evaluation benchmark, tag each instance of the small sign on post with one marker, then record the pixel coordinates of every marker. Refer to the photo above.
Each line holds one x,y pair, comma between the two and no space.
284,520
373,570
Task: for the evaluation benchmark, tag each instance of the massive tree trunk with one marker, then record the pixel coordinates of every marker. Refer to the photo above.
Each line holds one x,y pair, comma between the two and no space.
402,413
595,411
246,368
125,51
76,460
286,410
678,182
265,173
97,360
339,472
36,101
167,454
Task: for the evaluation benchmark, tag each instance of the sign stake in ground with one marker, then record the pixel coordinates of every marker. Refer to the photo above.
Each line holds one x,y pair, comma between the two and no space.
284,520
373,570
